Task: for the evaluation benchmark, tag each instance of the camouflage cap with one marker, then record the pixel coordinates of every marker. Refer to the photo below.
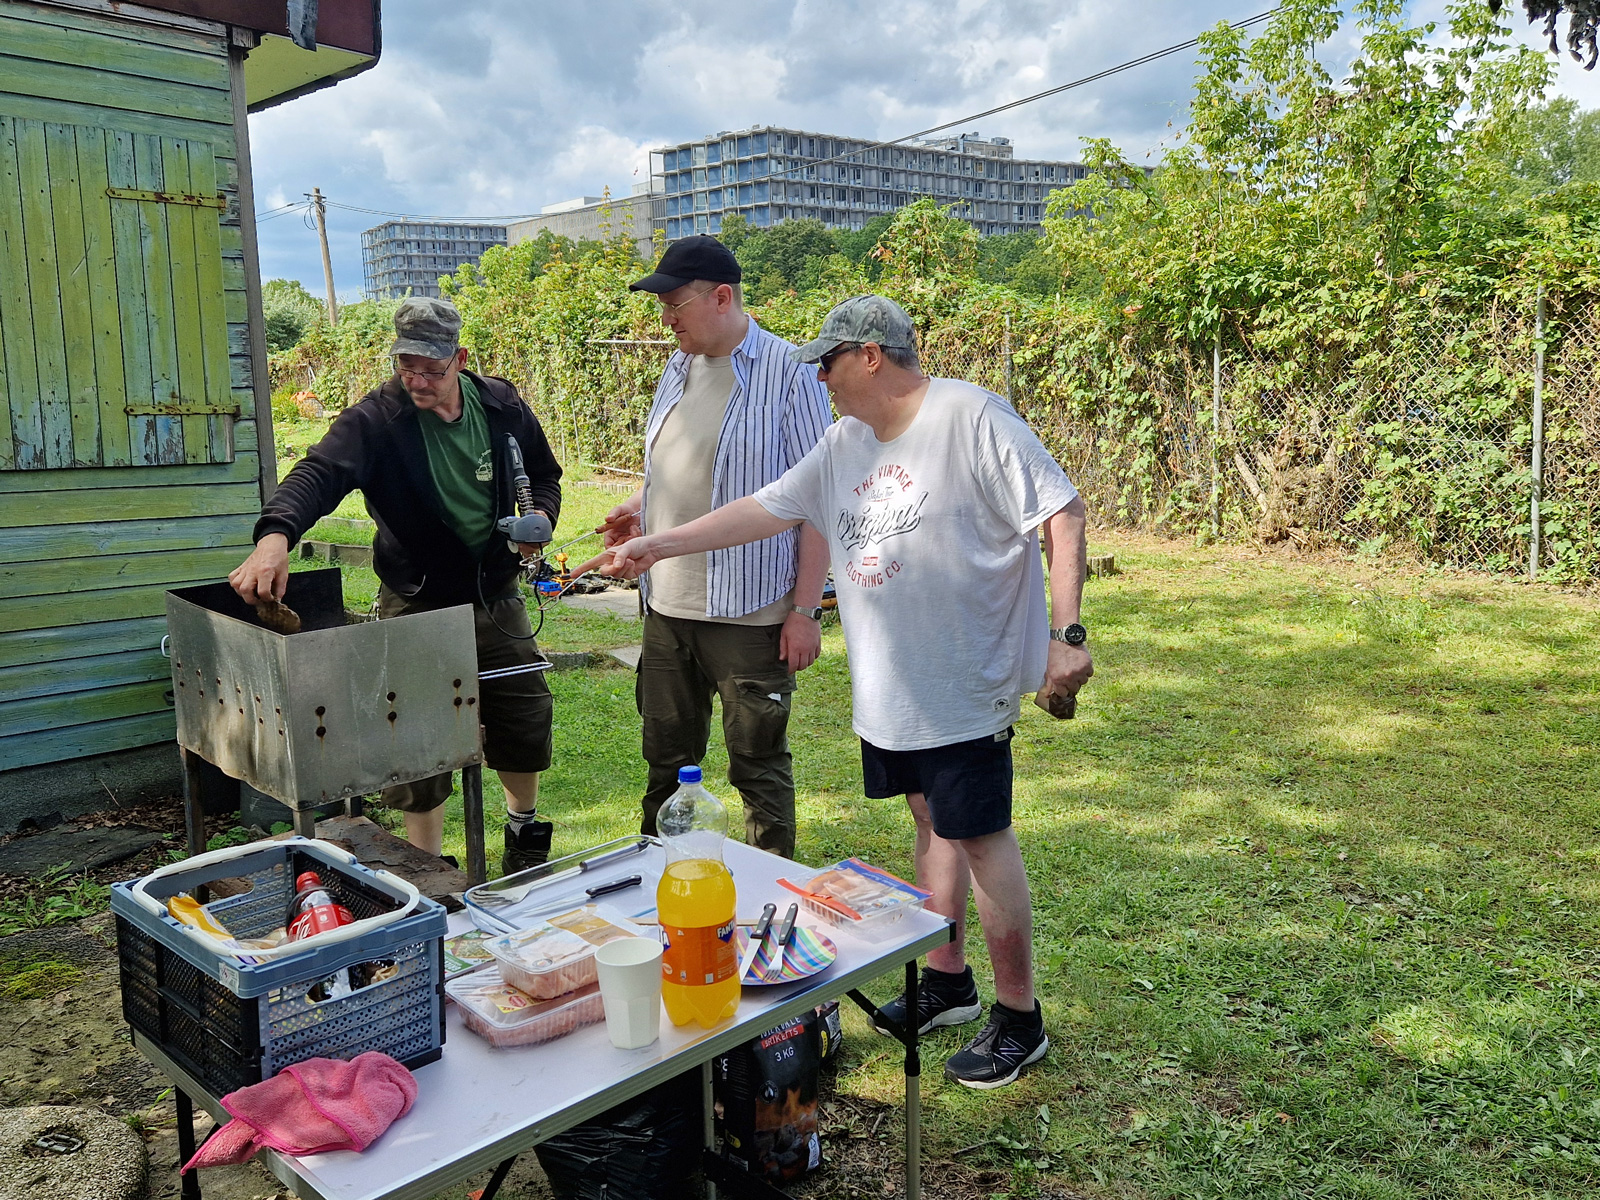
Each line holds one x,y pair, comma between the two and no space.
861,319
426,326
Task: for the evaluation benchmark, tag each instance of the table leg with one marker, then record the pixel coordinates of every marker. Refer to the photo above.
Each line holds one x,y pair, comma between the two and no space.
913,1089
194,811
305,822
191,1181
708,1123
497,1179
472,815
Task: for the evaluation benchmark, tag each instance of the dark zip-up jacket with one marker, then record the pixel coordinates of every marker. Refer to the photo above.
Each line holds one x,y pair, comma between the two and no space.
376,447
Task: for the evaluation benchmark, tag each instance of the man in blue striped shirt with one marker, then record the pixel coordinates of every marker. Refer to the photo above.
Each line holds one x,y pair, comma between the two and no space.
732,413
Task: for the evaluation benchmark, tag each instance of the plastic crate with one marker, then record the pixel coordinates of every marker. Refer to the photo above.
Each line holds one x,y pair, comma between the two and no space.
230,1024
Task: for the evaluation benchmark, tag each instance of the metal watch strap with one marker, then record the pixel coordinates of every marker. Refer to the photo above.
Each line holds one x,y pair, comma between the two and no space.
1073,635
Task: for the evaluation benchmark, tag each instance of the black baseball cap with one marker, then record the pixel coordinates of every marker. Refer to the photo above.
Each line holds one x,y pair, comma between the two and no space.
691,258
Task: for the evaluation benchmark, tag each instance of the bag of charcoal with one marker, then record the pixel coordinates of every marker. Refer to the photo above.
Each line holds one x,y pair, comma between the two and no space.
766,1101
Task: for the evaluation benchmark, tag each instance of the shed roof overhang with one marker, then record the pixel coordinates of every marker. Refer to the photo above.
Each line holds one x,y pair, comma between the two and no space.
349,39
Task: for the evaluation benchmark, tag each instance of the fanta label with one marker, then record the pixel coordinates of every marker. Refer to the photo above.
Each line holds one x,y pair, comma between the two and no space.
698,955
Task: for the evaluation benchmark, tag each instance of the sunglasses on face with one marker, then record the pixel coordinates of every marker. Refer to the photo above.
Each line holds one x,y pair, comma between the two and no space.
827,360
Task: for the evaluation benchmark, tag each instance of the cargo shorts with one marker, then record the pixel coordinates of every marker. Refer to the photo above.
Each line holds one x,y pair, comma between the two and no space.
516,712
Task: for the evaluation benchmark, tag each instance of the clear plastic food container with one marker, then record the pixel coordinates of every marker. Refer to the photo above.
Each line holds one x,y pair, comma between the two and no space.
857,898
504,1016
556,955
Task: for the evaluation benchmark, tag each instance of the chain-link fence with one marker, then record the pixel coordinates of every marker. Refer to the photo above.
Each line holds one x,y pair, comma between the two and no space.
1424,439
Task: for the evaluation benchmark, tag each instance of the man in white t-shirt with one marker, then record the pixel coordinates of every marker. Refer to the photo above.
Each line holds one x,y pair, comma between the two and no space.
931,492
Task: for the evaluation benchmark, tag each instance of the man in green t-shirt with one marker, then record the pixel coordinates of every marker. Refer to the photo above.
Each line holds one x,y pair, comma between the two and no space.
429,452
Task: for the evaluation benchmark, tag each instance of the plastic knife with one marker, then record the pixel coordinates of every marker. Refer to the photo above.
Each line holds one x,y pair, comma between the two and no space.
756,934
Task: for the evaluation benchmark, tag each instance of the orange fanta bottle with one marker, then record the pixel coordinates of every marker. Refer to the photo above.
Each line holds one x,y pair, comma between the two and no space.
695,905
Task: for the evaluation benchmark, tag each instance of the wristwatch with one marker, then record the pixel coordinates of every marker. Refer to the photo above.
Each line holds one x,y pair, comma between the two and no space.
814,613
1072,635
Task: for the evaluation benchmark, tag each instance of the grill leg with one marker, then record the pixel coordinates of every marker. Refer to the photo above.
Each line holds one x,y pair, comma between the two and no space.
472,816
305,822
194,810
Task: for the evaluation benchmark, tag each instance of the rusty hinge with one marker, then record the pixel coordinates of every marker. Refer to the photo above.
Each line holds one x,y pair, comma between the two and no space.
218,202
179,407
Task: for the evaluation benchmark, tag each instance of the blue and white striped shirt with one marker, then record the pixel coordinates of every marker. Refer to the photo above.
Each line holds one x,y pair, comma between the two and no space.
778,410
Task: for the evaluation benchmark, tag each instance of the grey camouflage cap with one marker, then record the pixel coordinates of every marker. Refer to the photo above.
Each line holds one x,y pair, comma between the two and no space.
426,326
861,319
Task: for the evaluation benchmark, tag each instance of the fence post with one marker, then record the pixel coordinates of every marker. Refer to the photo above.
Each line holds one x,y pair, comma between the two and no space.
1009,399
1538,435
1216,431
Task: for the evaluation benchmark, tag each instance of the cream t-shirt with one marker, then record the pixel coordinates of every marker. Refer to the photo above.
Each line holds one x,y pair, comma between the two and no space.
681,462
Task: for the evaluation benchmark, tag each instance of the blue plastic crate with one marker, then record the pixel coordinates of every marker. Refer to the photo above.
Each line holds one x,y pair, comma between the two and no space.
230,1023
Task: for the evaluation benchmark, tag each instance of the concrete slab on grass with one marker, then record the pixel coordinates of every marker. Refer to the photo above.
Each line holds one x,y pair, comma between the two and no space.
627,656
60,1151
81,849
619,602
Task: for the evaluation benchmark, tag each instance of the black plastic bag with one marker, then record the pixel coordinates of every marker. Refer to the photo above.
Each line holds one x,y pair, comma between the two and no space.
646,1148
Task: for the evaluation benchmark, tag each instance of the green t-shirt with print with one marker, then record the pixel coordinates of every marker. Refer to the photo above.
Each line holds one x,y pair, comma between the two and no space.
462,465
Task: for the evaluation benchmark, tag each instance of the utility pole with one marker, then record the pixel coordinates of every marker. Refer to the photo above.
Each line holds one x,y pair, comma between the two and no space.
320,205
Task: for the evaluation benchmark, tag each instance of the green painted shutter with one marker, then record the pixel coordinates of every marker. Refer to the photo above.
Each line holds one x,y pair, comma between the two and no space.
113,334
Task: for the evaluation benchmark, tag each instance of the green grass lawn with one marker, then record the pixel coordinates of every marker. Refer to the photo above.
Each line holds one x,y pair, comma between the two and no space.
1313,880
1313,875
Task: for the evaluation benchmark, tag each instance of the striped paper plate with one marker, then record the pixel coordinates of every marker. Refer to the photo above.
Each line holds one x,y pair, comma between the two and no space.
808,953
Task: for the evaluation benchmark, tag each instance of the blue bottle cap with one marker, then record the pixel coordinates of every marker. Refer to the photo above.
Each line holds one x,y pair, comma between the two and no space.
689,775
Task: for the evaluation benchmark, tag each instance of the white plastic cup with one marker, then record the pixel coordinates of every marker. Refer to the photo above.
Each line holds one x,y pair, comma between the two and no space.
630,987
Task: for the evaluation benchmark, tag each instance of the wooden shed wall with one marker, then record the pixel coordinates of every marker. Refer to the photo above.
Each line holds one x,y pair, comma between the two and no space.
87,550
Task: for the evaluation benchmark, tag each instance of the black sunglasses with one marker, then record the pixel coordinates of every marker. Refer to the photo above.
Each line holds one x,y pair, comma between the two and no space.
827,360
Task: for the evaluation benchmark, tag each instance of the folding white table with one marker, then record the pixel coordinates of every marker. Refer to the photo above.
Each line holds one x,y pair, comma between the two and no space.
479,1107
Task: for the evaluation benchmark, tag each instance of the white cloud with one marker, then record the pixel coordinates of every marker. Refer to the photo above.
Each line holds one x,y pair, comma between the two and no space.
495,107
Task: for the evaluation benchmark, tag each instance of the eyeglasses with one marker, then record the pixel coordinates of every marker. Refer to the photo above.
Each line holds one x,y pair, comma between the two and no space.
406,372
668,309
827,360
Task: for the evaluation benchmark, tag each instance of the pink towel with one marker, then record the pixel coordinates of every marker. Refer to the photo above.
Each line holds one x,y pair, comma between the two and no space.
311,1107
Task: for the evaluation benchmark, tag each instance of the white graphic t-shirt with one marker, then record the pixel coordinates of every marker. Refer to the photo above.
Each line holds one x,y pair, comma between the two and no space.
935,549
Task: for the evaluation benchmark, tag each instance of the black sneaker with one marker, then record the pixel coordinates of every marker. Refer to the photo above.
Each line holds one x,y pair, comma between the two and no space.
1010,1041
942,999
528,847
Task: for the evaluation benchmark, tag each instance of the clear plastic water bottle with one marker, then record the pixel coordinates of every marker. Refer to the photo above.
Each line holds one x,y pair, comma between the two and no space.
695,904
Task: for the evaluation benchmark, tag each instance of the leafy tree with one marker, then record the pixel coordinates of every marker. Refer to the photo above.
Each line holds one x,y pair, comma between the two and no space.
789,255
290,312
1553,144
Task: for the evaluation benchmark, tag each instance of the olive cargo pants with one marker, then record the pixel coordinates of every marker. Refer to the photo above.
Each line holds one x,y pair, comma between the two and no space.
681,664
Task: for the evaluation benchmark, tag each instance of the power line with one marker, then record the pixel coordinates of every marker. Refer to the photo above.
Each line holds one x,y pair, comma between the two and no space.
282,210
1057,90
378,212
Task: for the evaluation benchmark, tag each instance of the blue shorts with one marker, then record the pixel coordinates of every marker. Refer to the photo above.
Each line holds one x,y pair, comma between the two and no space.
967,784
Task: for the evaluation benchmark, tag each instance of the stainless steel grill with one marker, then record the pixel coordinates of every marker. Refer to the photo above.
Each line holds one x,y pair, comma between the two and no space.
331,712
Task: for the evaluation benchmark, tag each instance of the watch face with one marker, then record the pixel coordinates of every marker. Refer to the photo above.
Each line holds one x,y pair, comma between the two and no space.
1075,635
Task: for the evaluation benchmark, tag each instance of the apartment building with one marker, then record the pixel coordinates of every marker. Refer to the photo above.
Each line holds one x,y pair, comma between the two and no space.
402,256
770,175
597,218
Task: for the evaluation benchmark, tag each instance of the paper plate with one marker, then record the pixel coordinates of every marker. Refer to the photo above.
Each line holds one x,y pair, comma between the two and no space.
808,953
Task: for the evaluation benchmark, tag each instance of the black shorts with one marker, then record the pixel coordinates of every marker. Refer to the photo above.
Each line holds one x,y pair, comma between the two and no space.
967,784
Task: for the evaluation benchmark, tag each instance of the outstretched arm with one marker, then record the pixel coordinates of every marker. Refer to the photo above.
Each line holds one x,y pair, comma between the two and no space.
731,525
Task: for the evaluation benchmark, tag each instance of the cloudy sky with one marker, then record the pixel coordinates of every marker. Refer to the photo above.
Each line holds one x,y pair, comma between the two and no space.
486,108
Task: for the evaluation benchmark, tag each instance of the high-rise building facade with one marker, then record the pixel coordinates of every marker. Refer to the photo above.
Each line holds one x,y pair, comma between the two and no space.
402,256
770,175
